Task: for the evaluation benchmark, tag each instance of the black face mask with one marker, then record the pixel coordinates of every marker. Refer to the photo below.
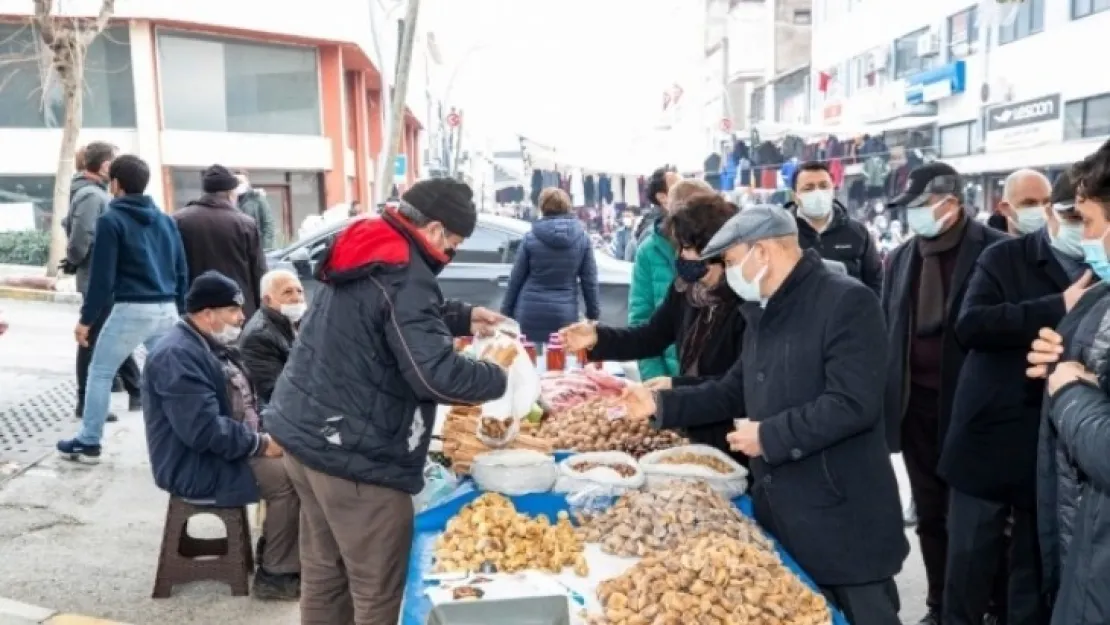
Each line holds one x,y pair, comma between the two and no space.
690,270
450,253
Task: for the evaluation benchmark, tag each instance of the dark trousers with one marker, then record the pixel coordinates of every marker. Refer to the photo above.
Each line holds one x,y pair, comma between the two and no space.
867,604
128,372
921,453
977,542
355,543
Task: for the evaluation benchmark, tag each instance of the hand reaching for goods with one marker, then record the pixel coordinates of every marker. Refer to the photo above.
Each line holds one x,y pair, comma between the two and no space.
639,402
579,336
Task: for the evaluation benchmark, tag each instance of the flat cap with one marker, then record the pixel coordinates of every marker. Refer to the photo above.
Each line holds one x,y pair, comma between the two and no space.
755,223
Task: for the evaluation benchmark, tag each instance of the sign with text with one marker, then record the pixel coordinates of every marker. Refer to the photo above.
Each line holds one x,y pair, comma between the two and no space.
1025,124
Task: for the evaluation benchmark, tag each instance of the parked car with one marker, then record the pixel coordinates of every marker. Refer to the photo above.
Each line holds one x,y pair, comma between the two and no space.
480,271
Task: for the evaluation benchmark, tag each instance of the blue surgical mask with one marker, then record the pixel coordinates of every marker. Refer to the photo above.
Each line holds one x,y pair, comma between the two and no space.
746,290
816,204
690,270
1094,254
922,222
1029,219
1067,240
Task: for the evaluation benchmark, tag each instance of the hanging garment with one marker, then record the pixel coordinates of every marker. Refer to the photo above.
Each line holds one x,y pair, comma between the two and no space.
768,177
605,189
577,190
631,192
537,186
589,191
836,170
642,187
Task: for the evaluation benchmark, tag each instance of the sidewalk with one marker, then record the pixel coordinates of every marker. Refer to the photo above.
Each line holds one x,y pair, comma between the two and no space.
16,613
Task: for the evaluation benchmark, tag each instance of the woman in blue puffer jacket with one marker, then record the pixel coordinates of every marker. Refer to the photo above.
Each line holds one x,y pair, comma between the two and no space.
555,259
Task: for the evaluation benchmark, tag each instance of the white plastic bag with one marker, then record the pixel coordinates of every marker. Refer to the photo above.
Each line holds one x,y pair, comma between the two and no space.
514,471
731,484
600,481
521,392
440,485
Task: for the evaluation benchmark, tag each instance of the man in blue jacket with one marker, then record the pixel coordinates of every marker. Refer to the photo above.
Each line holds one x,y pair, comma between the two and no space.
137,262
202,429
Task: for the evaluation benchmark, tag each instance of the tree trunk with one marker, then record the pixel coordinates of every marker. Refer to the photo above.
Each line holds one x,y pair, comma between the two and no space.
74,105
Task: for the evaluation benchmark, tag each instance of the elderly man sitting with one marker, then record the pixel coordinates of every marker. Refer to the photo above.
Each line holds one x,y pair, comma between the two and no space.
202,428
268,336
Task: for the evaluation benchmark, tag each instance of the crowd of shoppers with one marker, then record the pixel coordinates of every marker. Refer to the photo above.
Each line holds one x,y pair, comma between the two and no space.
982,355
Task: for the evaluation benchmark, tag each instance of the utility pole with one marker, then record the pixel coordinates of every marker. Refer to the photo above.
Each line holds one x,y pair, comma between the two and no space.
397,109
458,145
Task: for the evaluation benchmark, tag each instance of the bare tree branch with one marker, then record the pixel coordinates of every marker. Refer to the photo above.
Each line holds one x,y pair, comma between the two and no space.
90,31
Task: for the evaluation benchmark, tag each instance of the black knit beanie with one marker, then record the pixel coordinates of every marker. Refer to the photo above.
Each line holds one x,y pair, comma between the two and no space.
217,178
447,201
212,289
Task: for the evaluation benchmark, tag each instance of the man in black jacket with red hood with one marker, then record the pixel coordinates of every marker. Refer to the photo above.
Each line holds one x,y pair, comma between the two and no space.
355,405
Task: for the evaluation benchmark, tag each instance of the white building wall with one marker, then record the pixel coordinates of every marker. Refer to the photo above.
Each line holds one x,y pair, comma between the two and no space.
1042,64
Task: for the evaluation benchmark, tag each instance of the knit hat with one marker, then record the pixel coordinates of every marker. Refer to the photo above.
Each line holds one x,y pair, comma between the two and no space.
212,289
447,201
217,178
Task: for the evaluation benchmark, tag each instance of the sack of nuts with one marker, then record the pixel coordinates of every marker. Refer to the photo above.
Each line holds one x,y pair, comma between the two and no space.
599,473
696,463
711,579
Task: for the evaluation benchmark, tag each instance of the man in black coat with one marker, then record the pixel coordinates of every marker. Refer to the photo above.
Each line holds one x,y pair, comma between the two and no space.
923,290
990,453
824,226
355,405
269,334
823,484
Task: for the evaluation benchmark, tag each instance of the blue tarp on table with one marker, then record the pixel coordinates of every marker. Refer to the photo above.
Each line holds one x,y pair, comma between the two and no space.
431,523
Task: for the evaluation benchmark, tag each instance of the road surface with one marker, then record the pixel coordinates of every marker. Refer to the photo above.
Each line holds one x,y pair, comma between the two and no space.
85,539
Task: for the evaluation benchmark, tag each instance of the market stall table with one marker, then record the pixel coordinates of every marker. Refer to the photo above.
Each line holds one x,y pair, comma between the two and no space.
431,523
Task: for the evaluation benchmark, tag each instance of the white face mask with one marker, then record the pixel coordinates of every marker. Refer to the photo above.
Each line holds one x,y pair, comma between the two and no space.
242,188
228,335
922,222
294,312
745,290
1029,219
816,204
1067,238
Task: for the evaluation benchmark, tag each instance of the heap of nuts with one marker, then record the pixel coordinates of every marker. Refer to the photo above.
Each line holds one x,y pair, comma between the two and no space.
621,469
590,426
489,532
712,463
494,428
711,579
642,522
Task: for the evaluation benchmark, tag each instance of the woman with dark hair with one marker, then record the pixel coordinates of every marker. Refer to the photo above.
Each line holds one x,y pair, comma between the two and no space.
700,315
554,261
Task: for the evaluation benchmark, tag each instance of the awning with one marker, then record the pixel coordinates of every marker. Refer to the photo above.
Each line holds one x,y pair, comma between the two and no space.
1055,154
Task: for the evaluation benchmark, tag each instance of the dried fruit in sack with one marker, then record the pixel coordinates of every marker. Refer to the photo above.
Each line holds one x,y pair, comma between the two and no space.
716,579
640,523
490,530
623,470
501,353
590,426
709,462
495,428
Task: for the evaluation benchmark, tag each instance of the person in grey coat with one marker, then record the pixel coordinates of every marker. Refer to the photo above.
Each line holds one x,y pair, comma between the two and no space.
812,423
253,203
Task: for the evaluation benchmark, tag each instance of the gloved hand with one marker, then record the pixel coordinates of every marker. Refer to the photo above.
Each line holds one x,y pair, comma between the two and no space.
67,267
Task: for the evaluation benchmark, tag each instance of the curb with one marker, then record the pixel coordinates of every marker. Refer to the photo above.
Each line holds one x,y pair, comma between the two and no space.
38,295
17,613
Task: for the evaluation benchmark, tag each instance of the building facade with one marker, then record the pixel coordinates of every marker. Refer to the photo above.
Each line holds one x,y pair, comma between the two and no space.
292,97
995,86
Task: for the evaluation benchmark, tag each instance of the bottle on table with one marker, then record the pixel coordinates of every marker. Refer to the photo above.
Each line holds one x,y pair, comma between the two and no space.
555,356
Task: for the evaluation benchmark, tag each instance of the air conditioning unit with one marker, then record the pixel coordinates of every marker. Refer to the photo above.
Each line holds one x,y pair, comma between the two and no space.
877,60
928,44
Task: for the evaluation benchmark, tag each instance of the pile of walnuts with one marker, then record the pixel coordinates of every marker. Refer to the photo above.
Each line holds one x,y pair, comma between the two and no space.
714,579
642,522
489,532
593,426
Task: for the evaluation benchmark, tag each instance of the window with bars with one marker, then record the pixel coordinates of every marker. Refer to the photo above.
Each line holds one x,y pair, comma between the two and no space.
1027,20
1087,118
1083,8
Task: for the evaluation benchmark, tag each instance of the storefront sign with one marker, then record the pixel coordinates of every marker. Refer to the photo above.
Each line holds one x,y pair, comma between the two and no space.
937,83
1024,124
832,112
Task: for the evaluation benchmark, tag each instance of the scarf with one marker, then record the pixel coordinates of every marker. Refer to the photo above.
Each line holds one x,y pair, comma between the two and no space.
707,303
931,297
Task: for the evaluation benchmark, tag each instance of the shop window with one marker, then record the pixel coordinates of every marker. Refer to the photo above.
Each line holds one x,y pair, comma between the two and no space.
1087,118
38,191
963,33
1083,8
27,101
959,139
1028,19
248,87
